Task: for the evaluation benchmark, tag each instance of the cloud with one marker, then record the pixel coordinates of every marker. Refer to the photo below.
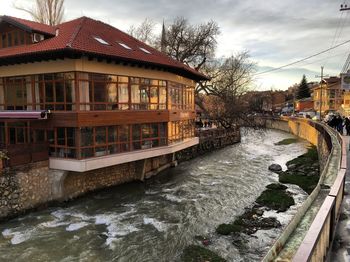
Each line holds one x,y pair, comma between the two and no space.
275,32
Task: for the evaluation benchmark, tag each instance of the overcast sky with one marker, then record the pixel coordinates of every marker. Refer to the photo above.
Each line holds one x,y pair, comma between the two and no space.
275,32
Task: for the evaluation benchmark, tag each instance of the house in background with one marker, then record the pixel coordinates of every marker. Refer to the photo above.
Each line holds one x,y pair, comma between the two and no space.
304,104
328,95
112,99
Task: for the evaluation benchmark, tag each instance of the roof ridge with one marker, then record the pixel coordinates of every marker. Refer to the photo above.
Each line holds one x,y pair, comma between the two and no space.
76,32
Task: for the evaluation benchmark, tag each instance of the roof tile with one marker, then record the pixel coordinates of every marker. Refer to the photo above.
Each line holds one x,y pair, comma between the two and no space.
78,36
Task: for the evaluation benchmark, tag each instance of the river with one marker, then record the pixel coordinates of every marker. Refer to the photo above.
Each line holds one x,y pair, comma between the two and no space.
156,220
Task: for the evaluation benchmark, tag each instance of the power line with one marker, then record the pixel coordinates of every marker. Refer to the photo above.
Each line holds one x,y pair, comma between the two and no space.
304,59
338,31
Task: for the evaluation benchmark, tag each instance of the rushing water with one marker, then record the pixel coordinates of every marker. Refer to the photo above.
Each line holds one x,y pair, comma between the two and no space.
156,220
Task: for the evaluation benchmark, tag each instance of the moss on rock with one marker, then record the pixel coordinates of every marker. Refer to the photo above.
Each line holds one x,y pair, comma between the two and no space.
277,199
194,253
305,172
286,141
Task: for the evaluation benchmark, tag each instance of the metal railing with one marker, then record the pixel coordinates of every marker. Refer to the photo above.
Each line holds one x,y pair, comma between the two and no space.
318,240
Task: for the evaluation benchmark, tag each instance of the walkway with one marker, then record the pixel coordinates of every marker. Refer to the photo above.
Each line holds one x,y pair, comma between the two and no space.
341,245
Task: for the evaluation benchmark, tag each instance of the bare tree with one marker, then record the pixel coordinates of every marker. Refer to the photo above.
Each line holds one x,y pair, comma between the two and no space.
144,32
224,97
191,44
48,12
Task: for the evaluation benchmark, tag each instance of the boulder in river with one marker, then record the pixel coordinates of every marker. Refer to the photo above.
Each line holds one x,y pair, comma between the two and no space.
275,168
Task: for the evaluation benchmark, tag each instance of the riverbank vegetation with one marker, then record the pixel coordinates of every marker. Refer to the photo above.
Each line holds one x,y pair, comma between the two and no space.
274,197
286,141
303,171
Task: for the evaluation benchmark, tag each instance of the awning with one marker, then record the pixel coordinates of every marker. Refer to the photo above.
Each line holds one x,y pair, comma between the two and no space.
16,114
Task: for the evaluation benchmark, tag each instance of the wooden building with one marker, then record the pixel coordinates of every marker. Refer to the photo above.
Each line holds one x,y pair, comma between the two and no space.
85,95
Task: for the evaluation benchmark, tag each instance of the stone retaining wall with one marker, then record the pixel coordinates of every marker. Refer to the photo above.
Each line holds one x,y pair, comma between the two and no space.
210,140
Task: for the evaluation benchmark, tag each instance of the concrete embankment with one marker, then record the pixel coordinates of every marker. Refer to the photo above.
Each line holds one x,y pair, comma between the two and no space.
329,151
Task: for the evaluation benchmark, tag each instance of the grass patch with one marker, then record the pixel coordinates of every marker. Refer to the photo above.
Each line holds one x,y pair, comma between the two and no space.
300,175
310,156
276,199
307,183
276,186
286,141
195,253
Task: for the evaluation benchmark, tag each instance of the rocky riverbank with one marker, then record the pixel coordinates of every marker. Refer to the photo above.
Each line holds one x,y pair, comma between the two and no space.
302,171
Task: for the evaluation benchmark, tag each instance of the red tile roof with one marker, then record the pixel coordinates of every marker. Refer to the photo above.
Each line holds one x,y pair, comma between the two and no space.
30,25
77,37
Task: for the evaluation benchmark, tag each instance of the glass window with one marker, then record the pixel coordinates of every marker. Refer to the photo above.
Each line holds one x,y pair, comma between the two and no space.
154,97
21,37
123,96
4,40
146,132
9,39
112,134
87,152
38,136
112,93
135,94
162,97
59,90
136,132
123,79
61,136
49,92
51,137
123,133
162,130
100,138
154,130
15,38
100,40
113,149
86,136
144,91
99,92
70,136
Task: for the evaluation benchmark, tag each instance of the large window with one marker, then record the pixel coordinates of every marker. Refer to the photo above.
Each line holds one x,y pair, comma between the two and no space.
180,130
58,92
55,91
103,92
105,140
62,142
18,133
180,96
17,93
12,38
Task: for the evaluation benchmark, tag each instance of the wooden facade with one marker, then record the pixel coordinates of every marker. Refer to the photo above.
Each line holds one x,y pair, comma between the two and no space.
96,107
86,109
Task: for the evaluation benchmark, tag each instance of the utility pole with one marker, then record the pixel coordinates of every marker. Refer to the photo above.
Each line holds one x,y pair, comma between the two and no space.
321,93
321,87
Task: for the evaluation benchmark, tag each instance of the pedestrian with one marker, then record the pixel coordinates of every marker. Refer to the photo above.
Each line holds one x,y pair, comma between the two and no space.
340,124
347,125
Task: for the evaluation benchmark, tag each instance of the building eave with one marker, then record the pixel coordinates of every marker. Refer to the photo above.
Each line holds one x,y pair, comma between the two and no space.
76,54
